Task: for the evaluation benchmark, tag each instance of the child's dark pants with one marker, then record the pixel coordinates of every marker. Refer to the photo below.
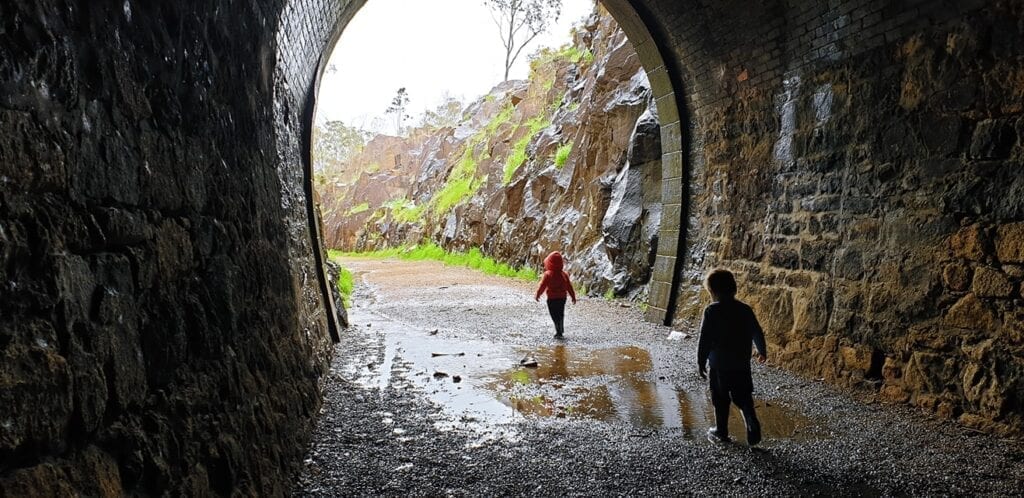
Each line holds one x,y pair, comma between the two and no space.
738,387
557,309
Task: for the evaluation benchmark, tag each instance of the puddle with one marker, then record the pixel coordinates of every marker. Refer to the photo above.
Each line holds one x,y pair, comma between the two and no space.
612,385
617,385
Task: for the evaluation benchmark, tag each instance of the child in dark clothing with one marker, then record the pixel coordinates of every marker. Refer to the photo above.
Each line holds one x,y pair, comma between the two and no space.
556,283
726,332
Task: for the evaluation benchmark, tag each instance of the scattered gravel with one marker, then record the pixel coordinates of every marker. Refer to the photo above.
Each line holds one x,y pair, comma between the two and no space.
383,430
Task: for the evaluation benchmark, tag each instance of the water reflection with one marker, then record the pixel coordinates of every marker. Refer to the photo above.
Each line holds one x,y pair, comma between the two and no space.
617,385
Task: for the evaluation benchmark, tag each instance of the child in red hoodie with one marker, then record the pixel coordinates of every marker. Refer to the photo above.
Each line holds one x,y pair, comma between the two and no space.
556,283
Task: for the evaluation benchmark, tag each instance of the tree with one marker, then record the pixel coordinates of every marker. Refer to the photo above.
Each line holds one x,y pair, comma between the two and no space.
334,143
397,107
520,21
447,114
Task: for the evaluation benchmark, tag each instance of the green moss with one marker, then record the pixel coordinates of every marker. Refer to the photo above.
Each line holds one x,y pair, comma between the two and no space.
562,155
360,208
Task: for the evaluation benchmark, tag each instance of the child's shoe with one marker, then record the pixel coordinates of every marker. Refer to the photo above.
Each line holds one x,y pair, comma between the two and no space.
558,335
715,437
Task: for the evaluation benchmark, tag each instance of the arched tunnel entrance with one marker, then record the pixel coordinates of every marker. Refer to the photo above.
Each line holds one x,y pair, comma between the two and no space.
163,326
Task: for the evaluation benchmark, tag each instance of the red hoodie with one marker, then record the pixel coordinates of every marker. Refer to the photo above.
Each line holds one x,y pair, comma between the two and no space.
555,281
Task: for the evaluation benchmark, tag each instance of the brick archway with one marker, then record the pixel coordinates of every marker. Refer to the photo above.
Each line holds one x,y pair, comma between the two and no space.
305,41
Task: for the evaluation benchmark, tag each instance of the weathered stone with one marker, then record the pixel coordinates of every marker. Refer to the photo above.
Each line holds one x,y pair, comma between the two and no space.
989,282
992,139
970,313
970,243
856,358
1010,243
1015,271
957,276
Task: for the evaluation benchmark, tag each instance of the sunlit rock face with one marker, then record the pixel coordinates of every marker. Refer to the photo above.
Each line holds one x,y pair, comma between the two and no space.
599,201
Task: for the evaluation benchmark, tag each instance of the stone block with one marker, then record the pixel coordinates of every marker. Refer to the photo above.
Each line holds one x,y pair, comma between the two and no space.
992,139
972,242
1010,243
969,313
989,282
856,358
957,276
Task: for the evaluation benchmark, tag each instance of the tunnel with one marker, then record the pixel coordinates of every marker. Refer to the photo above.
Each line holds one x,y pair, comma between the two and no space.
165,318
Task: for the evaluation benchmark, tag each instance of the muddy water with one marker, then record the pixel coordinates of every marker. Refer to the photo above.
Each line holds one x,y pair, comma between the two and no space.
616,385
611,385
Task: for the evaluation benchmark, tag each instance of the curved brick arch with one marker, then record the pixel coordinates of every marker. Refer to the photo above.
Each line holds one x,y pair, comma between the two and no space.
304,42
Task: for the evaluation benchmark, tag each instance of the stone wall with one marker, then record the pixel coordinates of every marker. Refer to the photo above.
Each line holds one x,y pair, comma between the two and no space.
162,324
857,164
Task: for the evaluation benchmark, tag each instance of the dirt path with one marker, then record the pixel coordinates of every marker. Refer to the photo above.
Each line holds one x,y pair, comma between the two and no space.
427,397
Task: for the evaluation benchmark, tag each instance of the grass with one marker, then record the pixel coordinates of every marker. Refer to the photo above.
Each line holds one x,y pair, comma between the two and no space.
562,155
517,156
474,259
360,208
609,294
404,211
345,285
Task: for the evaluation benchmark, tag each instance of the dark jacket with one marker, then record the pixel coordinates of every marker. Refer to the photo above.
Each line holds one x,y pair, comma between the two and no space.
726,332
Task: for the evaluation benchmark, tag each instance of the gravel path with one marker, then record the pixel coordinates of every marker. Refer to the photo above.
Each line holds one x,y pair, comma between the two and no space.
616,409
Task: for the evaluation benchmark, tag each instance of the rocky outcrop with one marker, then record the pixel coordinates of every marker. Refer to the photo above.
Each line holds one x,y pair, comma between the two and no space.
569,160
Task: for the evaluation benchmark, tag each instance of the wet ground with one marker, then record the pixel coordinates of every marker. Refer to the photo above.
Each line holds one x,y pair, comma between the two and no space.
449,383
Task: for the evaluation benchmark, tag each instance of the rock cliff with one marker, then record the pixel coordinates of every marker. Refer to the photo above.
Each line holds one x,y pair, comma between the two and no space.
569,160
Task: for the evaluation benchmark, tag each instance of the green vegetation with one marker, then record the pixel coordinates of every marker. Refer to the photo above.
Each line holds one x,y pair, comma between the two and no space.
609,294
472,259
345,285
517,157
404,211
360,208
562,155
462,182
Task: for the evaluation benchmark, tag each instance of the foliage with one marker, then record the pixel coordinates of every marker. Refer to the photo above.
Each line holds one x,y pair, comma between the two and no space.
517,157
360,208
609,294
404,210
334,143
474,259
397,108
520,21
345,284
562,155
461,184
447,114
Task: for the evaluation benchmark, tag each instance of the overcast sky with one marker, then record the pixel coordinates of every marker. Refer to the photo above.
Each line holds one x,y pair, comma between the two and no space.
427,46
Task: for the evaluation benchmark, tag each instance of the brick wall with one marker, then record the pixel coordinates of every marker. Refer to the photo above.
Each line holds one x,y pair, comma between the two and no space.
840,154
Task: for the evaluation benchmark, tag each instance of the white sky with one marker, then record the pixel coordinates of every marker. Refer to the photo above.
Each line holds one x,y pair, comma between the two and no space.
427,46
